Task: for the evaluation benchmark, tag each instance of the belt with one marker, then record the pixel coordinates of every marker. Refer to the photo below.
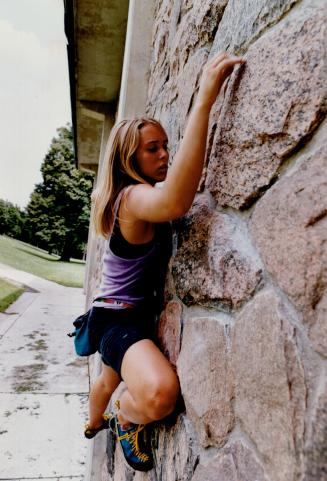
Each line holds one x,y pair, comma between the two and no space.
114,302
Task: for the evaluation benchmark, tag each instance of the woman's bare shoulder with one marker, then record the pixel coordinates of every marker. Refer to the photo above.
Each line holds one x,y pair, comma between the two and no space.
134,229
150,203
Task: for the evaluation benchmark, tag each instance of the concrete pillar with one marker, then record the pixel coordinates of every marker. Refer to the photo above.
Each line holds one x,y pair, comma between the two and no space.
134,84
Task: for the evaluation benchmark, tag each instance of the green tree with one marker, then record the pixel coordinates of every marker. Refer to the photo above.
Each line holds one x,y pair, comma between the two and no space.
59,208
12,219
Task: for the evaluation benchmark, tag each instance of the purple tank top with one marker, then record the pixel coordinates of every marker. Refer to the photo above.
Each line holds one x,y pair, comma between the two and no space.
139,280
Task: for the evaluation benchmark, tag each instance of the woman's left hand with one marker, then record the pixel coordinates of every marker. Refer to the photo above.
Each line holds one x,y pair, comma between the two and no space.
214,74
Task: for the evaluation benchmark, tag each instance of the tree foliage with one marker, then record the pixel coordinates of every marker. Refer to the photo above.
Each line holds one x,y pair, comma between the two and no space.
59,208
12,220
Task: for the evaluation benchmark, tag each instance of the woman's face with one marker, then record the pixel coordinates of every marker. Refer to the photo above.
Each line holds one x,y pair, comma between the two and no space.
152,153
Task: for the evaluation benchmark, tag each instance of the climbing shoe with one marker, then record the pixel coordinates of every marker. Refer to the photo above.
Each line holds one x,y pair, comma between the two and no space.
135,444
89,433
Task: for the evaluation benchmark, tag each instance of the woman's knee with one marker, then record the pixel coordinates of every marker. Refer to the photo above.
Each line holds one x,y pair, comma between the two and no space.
161,397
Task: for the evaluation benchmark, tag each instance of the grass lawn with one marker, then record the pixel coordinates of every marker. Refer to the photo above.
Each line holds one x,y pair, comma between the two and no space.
28,258
8,294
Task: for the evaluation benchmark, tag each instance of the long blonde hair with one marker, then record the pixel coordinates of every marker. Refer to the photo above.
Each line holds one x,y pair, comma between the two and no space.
118,170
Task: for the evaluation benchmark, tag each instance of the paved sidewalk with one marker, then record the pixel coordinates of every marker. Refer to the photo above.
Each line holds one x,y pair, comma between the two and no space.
44,385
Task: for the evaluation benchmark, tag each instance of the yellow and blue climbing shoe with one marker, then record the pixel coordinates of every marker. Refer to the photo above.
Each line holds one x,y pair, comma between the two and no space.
135,444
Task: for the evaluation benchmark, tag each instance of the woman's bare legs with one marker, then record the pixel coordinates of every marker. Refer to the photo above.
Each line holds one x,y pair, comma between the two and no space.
100,395
152,385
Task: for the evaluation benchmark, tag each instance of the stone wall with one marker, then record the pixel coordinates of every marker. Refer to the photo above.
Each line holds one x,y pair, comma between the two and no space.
245,321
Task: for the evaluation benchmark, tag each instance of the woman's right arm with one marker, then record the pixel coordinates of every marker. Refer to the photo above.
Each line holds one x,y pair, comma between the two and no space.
177,194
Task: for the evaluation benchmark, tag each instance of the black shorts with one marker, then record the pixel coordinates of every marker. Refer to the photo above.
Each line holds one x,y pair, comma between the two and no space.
113,331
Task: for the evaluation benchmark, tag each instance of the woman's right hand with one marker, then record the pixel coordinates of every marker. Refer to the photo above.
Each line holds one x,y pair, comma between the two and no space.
214,74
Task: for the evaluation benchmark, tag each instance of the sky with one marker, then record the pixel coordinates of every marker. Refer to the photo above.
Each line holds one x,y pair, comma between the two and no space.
34,91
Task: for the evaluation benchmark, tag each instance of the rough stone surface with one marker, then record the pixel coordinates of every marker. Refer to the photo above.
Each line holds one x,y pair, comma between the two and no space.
169,331
176,99
214,264
182,37
233,463
318,329
176,451
197,27
277,102
205,379
243,22
222,468
164,30
316,446
180,28
94,268
289,227
270,390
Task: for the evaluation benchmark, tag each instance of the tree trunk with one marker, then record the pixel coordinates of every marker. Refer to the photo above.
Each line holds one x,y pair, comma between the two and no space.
66,252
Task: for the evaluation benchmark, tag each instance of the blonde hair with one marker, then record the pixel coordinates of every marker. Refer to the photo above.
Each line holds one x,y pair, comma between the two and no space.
118,170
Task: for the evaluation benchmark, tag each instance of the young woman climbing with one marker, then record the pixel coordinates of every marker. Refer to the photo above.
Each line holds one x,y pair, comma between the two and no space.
135,217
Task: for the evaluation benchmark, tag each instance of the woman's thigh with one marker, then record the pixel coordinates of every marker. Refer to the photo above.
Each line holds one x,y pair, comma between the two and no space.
147,372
